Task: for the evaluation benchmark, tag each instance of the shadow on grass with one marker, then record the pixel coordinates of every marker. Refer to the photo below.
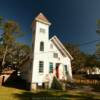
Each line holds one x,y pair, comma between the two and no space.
15,82
96,88
52,95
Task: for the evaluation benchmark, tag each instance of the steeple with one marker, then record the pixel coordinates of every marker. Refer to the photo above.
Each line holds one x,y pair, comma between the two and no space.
42,18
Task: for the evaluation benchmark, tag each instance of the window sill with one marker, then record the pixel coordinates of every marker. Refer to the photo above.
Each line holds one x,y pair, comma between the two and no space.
40,73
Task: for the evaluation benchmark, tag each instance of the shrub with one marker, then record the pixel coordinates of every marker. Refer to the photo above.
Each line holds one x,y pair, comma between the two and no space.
56,84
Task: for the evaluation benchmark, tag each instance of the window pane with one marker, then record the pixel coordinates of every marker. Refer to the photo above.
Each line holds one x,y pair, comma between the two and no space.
41,46
50,67
41,65
42,30
51,46
55,55
65,69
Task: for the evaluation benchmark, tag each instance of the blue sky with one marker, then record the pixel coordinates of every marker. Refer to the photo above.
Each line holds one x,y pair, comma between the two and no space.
72,21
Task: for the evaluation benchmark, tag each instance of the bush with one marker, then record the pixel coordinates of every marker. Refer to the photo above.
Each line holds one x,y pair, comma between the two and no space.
56,84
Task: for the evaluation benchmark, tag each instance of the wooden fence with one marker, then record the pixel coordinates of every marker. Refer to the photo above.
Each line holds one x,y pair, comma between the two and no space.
88,79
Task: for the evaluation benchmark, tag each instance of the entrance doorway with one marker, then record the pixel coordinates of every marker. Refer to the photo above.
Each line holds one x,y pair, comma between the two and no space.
57,70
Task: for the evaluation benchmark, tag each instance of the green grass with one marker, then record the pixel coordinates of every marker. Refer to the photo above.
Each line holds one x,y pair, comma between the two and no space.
75,94
8,93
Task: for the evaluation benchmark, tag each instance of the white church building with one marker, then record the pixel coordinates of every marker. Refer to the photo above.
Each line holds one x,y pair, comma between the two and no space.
49,57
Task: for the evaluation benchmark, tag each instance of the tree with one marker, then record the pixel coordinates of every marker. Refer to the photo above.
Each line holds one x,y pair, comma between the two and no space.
98,26
11,52
79,57
20,52
98,44
92,61
7,38
81,60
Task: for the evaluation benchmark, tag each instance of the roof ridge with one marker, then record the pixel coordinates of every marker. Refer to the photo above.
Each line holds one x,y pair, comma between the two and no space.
40,17
62,46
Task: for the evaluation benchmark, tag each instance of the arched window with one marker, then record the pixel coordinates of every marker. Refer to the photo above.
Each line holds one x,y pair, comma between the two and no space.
41,46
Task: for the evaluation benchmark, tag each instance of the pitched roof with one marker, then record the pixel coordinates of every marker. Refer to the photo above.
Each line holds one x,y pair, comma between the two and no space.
61,47
42,18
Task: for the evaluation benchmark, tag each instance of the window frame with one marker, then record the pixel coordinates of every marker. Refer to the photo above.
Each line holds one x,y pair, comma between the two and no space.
55,55
65,67
42,30
50,67
41,46
51,46
41,66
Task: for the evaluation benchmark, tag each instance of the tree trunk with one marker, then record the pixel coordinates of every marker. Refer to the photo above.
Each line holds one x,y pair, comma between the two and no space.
5,53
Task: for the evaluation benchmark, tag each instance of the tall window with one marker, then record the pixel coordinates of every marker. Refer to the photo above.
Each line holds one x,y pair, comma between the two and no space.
41,46
41,65
50,67
66,69
42,30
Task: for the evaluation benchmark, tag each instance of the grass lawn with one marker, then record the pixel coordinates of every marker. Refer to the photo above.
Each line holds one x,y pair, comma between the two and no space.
75,94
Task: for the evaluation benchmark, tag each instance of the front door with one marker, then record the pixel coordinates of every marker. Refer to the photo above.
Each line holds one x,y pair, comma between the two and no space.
57,70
